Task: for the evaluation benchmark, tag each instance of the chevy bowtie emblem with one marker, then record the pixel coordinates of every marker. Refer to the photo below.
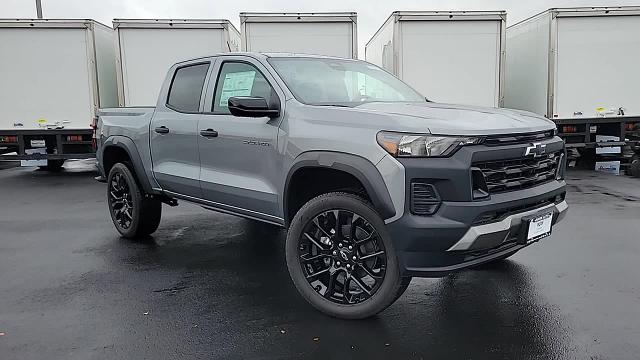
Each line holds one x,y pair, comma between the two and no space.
536,149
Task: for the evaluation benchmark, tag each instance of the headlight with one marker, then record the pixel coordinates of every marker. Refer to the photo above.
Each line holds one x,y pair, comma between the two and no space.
418,145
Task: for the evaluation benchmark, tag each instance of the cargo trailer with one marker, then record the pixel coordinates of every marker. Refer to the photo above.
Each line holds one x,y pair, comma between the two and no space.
146,49
448,56
55,74
579,67
331,34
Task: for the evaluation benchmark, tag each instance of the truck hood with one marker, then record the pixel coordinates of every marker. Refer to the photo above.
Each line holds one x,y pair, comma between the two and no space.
449,119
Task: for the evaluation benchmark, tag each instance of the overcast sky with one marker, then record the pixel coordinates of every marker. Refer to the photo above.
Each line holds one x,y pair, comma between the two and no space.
371,13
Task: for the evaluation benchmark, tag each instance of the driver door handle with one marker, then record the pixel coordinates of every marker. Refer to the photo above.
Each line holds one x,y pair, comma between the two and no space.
162,130
209,133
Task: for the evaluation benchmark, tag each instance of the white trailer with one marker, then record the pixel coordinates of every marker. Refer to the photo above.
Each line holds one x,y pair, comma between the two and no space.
332,34
579,67
448,56
54,76
146,49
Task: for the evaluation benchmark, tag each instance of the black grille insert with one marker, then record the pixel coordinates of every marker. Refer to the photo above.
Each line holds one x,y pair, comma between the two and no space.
496,140
517,174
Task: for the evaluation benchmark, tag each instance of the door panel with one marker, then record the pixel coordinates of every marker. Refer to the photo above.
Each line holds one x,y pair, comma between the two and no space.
239,164
236,166
174,132
176,165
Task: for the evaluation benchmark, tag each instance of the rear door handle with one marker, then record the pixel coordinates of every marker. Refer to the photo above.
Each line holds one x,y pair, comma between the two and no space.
162,130
209,133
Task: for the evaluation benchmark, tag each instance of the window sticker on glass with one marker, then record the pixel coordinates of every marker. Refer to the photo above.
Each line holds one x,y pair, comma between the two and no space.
237,84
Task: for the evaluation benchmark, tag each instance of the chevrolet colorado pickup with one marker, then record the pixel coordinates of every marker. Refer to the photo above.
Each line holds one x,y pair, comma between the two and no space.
374,183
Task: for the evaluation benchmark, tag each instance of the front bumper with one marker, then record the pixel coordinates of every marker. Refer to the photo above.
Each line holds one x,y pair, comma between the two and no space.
465,232
433,246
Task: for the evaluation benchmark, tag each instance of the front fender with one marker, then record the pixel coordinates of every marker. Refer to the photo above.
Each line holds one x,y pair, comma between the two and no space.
361,168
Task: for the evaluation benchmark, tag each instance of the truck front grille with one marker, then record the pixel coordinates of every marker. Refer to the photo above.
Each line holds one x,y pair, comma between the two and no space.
517,174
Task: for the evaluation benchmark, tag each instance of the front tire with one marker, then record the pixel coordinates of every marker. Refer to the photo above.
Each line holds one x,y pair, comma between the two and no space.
133,214
341,258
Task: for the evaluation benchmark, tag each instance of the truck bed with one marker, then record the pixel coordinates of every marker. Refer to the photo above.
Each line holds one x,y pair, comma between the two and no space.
132,122
129,124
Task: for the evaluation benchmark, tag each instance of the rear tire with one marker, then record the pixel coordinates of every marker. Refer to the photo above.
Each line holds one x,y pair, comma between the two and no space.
53,165
354,272
133,213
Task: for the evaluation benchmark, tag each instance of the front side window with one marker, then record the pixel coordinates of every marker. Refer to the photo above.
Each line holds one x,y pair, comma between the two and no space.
320,81
186,88
239,79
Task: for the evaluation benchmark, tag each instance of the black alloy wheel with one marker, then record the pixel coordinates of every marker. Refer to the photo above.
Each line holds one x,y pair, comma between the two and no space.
121,201
342,256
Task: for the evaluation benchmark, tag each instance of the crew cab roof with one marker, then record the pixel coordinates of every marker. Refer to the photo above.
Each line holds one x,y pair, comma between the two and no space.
259,55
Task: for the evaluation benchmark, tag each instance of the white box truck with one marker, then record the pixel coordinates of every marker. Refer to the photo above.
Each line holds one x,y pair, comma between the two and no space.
579,67
448,56
54,75
147,48
331,34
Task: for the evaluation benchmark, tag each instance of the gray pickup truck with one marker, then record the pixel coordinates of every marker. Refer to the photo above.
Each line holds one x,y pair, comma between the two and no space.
374,183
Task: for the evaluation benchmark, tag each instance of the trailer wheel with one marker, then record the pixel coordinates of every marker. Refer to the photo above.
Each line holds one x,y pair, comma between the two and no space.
634,166
53,165
134,214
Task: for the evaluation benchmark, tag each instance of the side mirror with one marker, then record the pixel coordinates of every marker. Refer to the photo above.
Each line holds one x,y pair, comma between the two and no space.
252,106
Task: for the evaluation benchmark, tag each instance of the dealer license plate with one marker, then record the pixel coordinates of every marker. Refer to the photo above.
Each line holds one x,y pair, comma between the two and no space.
539,226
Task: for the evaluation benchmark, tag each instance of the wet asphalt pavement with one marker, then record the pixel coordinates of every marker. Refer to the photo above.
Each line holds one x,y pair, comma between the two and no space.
213,286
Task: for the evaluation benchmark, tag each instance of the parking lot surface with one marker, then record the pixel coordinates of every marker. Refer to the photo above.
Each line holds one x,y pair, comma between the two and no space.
213,286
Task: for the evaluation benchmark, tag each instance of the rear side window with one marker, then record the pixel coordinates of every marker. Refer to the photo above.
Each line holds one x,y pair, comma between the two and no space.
186,88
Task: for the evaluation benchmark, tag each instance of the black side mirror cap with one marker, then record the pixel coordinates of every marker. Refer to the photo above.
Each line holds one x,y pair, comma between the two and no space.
252,106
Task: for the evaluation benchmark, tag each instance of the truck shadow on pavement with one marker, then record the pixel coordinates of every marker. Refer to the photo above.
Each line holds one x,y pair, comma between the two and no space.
230,275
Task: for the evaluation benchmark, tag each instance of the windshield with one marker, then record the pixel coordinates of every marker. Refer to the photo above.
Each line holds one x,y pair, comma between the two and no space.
319,81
